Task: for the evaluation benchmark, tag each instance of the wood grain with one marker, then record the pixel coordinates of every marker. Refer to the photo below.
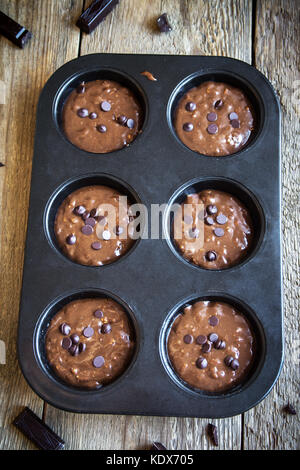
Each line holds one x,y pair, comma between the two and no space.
199,27
277,42
55,41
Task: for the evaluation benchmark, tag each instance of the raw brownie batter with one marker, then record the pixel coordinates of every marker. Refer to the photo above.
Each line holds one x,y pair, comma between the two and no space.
228,231
93,226
211,346
101,116
214,119
89,342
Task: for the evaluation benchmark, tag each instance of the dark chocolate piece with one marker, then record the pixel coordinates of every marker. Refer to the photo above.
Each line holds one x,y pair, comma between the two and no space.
1,164
163,24
13,31
289,409
212,432
158,446
37,431
94,14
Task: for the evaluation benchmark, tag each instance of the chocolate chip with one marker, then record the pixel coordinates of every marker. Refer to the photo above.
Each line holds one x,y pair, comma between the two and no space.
201,339
106,328
209,220
289,409
219,104
81,88
122,120
74,350
130,123
81,347
211,209
85,215
188,219
212,432
190,106
232,116
82,112
71,239
79,210
201,363
75,338
235,123
87,229
105,106
211,117
93,212
206,348
194,232
88,332
219,344
66,343
221,219
118,230
96,246
211,256
235,364
106,235
228,360
219,232
187,127
98,313
213,321
213,337
188,339
163,24
90,221
212,129
101,128
98,361
65,329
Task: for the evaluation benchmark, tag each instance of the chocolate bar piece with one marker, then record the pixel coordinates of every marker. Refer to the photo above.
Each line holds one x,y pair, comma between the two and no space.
94,14
37,431
163,23
13,31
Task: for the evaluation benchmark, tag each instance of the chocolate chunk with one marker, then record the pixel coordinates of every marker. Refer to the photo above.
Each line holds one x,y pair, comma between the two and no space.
65,329
74,350
37,431
188,219
190,106
289,409
82,112
219,104
213,337
211,256
79,210
81,88
81,347
14,31
90,221
66,343
228,360
213,321
209,220
211,209
93,212
118,230
212,432
221,219
163,24
130,123
201,363
187,127
211,117
93,115
1,164
85,215
234,364
232,116
94,14
98,361
106,328
219,232
219,344
212,129
88,332
87,229
206,348
105,106
201,339
98,313
188,339
158,446
235,123
122,120
71,239
101,128
75,338
96,246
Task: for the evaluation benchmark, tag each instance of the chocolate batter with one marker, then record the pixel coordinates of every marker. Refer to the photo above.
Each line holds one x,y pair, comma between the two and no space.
88,232
101,116
211,346
89,342
228,231
214,119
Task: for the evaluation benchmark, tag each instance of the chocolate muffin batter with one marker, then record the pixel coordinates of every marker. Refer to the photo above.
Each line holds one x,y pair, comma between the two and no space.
228,231
211,346
214,119
93,226
89,342
101,116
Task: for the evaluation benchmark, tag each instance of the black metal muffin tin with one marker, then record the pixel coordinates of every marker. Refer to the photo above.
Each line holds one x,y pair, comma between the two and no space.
152,281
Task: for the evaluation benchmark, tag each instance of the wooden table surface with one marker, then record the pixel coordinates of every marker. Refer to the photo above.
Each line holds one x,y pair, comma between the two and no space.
263,32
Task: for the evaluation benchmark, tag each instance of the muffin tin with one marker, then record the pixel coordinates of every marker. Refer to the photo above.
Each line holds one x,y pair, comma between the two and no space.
152,281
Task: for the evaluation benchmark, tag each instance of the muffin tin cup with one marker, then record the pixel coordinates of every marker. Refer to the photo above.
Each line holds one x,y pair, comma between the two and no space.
150,281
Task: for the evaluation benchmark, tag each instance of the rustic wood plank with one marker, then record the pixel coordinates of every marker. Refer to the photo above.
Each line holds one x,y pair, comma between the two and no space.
277,44
199,27
24,72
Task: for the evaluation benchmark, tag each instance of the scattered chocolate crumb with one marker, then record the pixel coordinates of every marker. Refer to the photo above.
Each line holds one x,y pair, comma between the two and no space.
212,432
149,76
163,24
289,409
158,446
